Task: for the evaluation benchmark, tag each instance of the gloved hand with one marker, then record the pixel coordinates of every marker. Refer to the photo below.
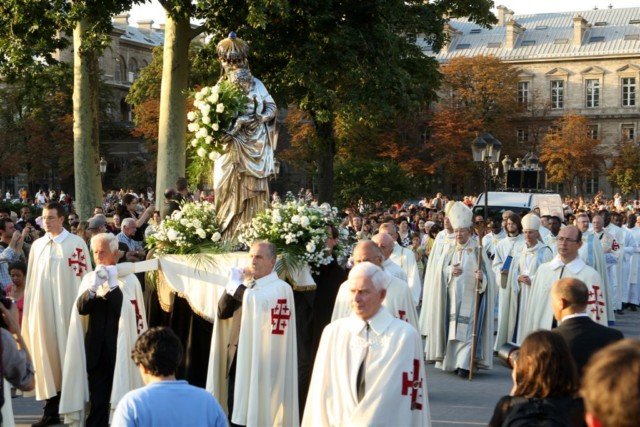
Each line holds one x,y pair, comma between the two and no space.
99,278
112,270
235,280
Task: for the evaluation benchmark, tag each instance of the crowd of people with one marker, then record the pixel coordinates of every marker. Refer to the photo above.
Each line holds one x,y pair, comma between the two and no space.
426,283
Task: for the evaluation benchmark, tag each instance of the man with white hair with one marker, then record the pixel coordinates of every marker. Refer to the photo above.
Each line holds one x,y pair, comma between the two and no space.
135,249
406,259
529,256
386,244
106,321
369,368
450,309
399,301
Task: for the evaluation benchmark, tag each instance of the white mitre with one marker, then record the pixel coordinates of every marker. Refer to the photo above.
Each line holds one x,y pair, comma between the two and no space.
447,207
460,216
531,222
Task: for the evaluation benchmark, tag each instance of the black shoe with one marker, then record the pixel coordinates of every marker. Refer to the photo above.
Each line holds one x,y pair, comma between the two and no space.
633,307
47,420
463,373
618,312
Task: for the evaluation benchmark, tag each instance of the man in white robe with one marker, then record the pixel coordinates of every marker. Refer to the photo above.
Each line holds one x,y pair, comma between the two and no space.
620,236
626,260
538,313
504,266
369,368
386,244
555,224
57,263
530,255
399,301
592,254
406,259
443,241
452,302
611,251
490,240
109,310
253,370
631,298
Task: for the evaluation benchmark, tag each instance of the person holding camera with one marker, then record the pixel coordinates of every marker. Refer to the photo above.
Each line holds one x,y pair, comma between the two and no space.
545,386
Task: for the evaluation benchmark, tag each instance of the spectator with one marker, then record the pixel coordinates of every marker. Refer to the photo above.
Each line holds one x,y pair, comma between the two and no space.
15,291
545,384
611,386
165,400
134,248
129,209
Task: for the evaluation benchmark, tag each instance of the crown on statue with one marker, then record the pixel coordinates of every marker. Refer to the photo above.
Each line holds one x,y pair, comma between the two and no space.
233,49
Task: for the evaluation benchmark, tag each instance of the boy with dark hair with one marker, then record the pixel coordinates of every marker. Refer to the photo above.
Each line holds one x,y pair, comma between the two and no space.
165,400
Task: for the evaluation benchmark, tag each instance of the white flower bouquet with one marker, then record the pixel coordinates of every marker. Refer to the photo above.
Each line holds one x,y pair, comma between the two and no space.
298,230
192,229
215,109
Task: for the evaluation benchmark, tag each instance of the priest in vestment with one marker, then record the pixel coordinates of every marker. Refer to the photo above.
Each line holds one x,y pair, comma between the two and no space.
443,241
57,263
592,254
611,251
253,369
406,259
452,301
538,313
369,368
386,243
398,301
621,237
530,255
106,321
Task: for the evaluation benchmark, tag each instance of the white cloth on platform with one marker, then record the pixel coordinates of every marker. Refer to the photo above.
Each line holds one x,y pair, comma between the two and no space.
395,380
56,268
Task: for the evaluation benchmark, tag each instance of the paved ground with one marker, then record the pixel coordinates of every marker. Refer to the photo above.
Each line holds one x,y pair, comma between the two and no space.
454,401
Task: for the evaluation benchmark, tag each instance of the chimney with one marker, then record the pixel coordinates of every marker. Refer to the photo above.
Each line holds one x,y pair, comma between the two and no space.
145,24
508,15
513,31
450,34
579,28
122,19
160,27
502,10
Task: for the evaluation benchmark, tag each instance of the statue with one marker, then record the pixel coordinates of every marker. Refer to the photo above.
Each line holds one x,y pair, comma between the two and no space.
241,173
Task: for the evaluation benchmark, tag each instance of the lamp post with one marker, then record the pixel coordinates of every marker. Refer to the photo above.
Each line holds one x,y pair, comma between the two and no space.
103,169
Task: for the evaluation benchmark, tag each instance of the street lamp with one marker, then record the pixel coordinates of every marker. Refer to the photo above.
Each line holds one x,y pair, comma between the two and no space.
103,169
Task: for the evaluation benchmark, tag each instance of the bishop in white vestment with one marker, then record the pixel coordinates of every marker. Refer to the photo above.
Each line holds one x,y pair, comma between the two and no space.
368,369
406,259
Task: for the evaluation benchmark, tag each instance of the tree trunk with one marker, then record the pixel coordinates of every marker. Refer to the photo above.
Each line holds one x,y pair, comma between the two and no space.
325,163
173,106
88,188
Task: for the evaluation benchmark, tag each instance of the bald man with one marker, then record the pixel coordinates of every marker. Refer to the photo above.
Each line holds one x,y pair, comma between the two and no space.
406,259
569,299
386,244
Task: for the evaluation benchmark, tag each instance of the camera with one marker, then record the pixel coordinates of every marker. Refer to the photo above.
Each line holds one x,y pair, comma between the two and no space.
508,354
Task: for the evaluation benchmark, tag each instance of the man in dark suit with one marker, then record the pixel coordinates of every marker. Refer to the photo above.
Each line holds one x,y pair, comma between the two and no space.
569,298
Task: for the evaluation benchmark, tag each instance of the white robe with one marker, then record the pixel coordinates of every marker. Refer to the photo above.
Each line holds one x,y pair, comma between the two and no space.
510,246
620,235
633,296
399,301
126,377
526,262
539,314
448,338
591,253
406,259
629,260
56,268
490,242
441,245
395,380
266,387
394,269
612,252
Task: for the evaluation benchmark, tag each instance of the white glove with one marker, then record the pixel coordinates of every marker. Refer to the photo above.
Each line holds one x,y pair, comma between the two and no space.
237,276
101,275
113,276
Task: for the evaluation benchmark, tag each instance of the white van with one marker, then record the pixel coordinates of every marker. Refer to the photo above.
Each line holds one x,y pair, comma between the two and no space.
520,203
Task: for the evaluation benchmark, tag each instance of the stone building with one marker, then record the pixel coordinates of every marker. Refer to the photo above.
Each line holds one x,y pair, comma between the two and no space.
582,61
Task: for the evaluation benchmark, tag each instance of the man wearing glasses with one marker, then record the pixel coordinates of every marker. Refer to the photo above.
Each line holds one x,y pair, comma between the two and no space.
567,263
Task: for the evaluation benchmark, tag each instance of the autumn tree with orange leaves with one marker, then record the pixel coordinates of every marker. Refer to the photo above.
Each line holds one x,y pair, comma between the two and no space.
569,153
478,94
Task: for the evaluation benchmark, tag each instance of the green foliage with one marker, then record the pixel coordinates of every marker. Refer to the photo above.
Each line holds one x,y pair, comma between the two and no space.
371,181
625,172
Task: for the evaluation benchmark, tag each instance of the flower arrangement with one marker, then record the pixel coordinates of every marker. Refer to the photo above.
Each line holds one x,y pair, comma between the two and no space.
191,229
297,229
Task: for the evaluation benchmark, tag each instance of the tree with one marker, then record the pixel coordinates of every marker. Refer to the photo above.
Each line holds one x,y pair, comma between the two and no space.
349,61
569,153
625,170
479,94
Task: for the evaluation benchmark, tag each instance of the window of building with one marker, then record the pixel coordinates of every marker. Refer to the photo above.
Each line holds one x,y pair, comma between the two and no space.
557,94
460,46
628,132
592,184
522,135
528,43
592,131
593,93
628,91
523,93
596,39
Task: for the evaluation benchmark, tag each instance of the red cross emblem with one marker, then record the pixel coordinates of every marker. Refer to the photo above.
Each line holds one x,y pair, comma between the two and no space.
280,314
402,315
615,246
139,323
78,262
597,301
414,384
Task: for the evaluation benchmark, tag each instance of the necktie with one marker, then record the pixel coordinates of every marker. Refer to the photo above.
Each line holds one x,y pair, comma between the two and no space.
361,370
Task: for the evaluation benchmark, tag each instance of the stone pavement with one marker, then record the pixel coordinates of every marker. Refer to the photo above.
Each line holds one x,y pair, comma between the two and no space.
455,402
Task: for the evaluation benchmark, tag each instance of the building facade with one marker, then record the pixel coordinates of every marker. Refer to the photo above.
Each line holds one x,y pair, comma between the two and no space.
583,61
